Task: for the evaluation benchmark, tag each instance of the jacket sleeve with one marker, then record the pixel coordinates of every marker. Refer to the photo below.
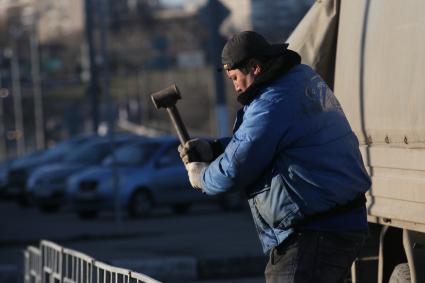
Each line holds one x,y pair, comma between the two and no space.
219,145
250,151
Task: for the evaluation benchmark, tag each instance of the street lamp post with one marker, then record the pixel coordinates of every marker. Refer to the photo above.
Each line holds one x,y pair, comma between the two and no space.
30,19
36,81
3,94
94,88
17,96
104,19
214,13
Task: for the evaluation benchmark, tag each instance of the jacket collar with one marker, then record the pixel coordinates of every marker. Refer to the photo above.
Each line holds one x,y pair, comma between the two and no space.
276,68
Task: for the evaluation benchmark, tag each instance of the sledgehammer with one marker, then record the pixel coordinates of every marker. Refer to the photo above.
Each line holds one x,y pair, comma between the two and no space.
167,98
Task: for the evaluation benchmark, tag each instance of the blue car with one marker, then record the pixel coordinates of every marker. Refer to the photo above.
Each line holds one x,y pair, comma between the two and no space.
47,184
150,173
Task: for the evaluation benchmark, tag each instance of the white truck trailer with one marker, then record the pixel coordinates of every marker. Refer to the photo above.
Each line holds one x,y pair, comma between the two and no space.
372,52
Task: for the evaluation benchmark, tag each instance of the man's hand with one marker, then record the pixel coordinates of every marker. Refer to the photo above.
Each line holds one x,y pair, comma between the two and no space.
196,150
194,170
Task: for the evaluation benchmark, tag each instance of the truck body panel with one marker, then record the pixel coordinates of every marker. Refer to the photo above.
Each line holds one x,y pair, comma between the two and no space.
375,51
380,82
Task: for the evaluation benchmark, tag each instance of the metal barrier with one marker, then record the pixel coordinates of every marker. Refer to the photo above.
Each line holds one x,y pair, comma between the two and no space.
52,263
32,265
51,259
78,267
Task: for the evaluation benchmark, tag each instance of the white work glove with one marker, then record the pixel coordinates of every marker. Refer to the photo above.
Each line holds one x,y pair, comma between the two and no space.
194,170
196,150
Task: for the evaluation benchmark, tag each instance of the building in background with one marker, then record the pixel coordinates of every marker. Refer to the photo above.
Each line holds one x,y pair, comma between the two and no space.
54,18
150,45
147,25
273,19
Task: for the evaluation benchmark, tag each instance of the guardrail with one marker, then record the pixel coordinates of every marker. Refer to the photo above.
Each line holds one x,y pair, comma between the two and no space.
52,263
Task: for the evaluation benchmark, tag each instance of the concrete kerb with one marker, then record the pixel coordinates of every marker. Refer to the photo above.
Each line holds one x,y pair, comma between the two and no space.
163,269
72,239
190,268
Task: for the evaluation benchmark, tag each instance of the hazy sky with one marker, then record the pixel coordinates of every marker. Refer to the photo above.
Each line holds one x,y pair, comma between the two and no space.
172,2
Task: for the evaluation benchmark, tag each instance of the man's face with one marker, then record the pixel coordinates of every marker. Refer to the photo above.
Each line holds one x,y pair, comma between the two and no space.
240,80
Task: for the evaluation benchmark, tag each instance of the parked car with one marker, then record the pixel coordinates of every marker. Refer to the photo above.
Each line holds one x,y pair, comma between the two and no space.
150,173
11,175
21,168
4,170
47,184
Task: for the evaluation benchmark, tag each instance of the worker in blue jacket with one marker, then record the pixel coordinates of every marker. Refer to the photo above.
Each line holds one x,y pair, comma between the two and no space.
294,156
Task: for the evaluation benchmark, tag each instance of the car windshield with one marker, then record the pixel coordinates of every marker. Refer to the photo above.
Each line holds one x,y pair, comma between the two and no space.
62,148
26,159
133,155
92,153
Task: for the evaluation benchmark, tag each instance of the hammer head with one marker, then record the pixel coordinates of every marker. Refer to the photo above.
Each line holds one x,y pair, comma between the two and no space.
167,97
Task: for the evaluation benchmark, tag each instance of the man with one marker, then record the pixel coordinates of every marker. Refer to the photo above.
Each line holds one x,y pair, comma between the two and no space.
296,158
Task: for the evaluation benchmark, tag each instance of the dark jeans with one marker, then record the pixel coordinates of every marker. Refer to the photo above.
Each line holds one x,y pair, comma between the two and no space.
312,256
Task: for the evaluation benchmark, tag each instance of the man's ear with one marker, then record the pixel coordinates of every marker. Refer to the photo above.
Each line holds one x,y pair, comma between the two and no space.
256,67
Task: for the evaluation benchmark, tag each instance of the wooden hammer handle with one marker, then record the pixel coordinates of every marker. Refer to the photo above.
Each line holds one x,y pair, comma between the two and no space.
178,124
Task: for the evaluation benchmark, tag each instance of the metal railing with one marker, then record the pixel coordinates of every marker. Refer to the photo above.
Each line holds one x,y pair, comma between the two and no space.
32,265
52,263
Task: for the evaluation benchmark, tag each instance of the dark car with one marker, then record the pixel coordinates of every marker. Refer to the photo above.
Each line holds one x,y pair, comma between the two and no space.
21,168
4,172
46,185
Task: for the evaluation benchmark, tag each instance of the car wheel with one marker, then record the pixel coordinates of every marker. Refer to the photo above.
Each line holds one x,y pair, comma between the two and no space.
141,204
49,208
231,201
24,200
181,208
87,214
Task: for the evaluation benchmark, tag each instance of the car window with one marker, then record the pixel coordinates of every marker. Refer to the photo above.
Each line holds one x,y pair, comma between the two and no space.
89,154
170,157
62,148
133,155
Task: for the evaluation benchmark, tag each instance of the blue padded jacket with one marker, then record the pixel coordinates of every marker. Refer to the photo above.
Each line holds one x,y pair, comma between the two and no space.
293,153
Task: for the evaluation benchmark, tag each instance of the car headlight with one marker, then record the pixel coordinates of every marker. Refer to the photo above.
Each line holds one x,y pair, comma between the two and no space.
88,186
